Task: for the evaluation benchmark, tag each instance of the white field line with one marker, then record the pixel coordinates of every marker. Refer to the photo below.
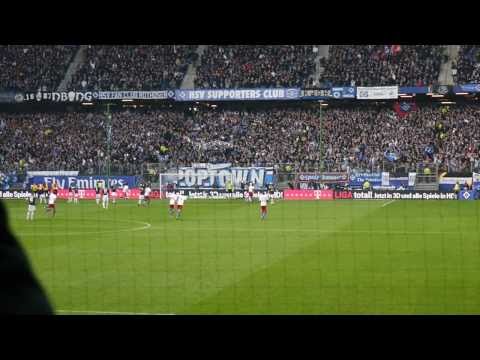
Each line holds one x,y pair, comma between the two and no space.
267,230
388,203
145,227
93,312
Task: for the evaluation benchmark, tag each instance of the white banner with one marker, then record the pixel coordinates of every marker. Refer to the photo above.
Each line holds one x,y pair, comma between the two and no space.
476,177
453,180
377,92
52,173
13,195
385,178
411,178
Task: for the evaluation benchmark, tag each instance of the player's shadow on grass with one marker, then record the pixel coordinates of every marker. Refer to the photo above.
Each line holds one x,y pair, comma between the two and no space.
20,291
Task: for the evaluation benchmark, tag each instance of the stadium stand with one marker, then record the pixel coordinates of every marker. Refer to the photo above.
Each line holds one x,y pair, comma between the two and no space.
256,66
468,64
243,138
377,65
133,67
356,137
34,67
364,138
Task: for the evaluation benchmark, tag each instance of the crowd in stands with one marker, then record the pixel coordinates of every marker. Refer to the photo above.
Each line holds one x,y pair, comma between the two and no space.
158,67
34,67
242,66
377,65
376,139
467,68
78,140
368,138
133,67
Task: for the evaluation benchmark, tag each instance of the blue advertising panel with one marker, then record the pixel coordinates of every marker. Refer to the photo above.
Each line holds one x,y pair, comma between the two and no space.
83,182
344,92
7,180
470,88
414,90
238,94
358,178
466,195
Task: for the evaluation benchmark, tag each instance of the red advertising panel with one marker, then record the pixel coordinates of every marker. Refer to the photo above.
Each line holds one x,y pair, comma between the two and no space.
90,194
308,194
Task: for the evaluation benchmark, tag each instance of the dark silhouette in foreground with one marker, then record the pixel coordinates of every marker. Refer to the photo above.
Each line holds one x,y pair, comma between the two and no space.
20,291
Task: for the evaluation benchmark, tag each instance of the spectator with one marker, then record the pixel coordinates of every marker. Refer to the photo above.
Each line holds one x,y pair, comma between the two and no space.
369,137
468,65
34,67
133,67
377,65
238,66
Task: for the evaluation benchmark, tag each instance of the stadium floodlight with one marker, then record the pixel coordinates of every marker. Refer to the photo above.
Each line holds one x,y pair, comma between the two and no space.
87,103
447,102
405,96
461,93
127,100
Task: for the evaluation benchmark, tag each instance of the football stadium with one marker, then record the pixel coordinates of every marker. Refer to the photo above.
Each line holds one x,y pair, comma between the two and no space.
243,179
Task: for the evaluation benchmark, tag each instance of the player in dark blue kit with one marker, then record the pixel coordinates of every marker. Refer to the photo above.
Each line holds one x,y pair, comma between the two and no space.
141,197
75,195
113,194
70,194
97,194
31,206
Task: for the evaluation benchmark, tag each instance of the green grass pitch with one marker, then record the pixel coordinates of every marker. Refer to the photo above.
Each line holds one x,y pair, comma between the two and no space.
318,257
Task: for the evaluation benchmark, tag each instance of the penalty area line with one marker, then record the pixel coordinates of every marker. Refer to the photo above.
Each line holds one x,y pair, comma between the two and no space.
388,203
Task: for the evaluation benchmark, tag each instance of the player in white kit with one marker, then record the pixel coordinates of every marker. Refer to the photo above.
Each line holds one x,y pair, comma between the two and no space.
148,190
104,194
51,202
263,205
180,200
125,191
171,203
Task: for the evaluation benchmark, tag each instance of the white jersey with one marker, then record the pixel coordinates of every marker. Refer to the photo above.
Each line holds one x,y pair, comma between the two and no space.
51,199
173,199
147,191
125,188
251,188
181,199
263,199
